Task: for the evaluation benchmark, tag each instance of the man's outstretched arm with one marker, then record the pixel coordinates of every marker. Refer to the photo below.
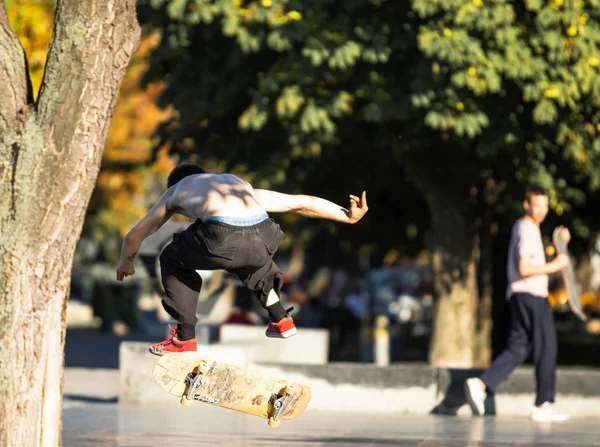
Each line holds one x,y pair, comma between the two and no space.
311,206
152,221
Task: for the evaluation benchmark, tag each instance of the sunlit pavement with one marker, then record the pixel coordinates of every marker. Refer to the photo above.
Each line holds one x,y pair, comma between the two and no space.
89,423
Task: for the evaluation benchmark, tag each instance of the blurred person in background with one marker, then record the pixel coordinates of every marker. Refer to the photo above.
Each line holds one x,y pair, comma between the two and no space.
531,323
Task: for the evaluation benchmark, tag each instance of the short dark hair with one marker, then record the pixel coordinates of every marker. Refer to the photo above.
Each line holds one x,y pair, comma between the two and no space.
182,171
534,190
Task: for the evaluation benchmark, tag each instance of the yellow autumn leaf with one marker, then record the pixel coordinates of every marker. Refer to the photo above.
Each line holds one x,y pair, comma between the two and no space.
559,209
551,92
294,15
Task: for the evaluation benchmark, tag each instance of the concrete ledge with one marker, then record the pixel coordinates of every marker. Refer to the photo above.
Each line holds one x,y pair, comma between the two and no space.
308,346
136,385
522,380
577,392
372,389
365,375
360,387
339,387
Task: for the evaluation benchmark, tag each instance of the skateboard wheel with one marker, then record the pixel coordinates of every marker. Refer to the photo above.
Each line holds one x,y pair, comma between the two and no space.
202,368
274,423
185,401
290,388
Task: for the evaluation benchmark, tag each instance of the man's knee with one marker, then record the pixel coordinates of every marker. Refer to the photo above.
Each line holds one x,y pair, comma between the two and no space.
519,350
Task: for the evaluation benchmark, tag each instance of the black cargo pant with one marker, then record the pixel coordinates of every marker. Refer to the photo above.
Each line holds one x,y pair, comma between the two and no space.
244,251
531,324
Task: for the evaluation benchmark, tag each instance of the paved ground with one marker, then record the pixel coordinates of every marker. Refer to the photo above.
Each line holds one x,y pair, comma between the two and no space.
93,418
109,424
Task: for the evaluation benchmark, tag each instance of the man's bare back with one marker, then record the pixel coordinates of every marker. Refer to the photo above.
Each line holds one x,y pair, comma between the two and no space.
202,196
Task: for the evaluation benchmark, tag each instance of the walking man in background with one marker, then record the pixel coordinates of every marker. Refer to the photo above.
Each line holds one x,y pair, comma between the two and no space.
531,323
232,231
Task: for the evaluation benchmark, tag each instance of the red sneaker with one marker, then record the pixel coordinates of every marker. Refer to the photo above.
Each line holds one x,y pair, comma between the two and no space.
172,344
284,329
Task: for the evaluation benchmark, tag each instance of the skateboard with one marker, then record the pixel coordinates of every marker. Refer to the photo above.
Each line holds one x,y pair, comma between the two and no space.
568,275
192,378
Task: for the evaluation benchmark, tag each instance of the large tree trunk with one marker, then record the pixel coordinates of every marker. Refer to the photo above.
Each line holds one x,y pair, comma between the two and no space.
482,349
50,156
461,332
454,257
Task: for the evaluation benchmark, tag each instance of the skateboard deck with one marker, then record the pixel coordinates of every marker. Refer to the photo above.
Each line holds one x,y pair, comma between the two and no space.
192,378
568,275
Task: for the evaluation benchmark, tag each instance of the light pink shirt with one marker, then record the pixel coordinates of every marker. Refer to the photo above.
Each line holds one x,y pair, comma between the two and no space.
526,242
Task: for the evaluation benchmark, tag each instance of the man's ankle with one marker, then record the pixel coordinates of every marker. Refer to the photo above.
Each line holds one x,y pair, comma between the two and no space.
276,312
186,331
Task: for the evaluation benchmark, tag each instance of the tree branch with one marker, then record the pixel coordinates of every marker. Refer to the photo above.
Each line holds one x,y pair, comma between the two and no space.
92,44
15,87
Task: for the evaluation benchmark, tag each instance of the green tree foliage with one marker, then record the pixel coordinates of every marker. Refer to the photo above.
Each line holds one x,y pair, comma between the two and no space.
292,95
522,81
467,100
265,84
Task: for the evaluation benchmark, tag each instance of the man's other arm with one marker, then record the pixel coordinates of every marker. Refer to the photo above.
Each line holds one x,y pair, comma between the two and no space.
151,222
311,206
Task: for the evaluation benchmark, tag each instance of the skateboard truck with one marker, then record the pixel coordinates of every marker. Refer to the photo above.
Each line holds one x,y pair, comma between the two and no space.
194,379
280,403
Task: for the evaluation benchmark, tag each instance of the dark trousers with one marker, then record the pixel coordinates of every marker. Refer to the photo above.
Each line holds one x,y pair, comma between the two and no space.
531,325
244,251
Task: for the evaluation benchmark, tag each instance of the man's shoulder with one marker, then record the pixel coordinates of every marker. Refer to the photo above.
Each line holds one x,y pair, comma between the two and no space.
225,177
524,227
516,226
200,183
193,183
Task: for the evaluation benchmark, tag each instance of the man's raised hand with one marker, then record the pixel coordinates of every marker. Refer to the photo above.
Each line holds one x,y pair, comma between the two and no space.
358,207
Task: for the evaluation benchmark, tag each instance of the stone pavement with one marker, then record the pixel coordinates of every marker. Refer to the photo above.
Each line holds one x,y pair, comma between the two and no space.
109,424
94,418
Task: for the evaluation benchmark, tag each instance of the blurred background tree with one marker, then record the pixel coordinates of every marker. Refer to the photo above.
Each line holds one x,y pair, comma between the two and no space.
131,179
33,20
444,110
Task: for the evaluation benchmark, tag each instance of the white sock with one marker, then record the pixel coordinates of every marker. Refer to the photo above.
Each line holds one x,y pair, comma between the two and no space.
272,298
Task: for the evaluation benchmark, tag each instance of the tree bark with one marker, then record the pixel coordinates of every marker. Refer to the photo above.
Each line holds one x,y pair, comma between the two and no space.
454,262
462,322
50,154
482,348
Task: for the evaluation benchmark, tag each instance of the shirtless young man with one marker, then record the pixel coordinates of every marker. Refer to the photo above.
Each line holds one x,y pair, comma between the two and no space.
232,231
